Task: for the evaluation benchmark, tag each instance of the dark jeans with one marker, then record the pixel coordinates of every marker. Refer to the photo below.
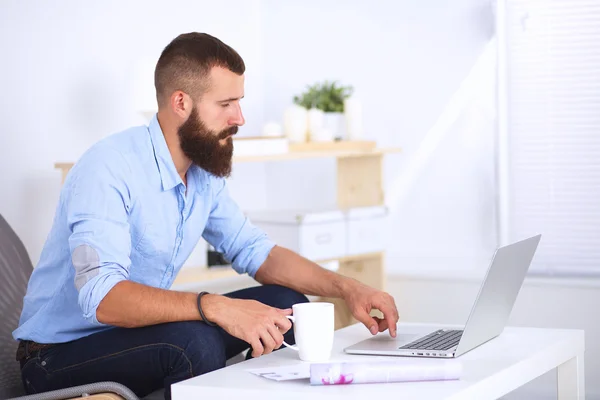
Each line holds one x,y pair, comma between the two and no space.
150,358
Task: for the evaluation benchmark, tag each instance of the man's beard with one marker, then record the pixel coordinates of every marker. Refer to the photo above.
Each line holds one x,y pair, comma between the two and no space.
203,148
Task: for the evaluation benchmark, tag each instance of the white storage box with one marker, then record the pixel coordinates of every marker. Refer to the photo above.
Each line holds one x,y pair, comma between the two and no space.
259,146
367,230
316,235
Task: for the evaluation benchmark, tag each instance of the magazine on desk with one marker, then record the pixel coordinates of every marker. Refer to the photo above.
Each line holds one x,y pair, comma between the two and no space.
374,371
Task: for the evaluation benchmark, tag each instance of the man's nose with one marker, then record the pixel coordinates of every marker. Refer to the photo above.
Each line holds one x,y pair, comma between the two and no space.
238,117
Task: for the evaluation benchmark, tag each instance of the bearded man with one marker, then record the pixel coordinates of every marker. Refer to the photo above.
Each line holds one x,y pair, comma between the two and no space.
99,305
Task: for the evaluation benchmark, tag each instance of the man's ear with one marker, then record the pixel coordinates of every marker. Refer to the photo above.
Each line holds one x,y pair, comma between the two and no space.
181,104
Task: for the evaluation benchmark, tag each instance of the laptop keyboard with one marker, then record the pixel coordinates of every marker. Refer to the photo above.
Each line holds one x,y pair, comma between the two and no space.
438,340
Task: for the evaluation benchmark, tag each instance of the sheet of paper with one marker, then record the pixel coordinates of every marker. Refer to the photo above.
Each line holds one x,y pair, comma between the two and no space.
283,373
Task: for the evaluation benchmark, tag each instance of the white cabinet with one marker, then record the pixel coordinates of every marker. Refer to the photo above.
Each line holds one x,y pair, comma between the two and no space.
366,230
322,235
315,235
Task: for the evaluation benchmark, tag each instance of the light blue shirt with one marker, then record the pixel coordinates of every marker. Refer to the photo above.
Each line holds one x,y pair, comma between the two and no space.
125,214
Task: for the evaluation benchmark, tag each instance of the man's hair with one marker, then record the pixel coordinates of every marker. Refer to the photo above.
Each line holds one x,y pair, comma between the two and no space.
186,63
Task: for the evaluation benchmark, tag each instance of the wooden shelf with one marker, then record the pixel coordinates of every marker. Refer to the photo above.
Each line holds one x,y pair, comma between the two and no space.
347,259
191,275
299,155
63,166
341,153
196,274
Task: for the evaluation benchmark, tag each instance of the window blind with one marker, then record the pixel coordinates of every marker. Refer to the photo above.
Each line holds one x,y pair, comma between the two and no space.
552,131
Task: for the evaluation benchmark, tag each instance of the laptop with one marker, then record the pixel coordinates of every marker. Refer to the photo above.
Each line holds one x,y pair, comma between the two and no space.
487,319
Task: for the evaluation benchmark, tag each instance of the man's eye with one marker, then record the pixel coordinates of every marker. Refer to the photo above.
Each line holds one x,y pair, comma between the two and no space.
225,105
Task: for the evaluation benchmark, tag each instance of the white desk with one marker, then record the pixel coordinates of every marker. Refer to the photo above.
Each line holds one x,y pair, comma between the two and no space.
490,371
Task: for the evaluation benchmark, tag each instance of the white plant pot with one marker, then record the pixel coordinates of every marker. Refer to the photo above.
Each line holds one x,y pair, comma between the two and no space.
334,123
315,123
295,123
354,119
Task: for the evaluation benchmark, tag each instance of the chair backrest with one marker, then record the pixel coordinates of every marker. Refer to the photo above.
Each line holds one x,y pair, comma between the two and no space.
15,269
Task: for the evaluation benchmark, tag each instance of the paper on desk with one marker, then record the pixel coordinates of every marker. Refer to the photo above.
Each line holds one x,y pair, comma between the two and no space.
367,371
284,373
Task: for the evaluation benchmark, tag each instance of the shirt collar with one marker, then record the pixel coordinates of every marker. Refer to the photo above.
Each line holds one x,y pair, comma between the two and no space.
166,168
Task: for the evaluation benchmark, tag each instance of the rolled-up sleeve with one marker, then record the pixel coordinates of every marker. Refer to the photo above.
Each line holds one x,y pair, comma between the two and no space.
100,241
231,233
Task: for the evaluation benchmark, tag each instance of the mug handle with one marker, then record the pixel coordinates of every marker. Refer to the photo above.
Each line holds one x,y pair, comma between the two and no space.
291,318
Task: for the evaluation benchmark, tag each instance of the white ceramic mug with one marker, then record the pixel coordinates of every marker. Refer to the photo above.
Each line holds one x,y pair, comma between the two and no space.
314,325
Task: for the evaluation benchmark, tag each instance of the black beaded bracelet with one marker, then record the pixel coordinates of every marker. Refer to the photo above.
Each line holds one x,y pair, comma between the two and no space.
202,312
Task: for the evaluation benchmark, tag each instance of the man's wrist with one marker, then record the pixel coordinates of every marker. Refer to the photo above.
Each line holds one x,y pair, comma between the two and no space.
345,286
213,306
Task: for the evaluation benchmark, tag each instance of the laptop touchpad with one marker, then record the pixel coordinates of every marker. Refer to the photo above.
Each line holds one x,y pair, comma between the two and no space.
406,338
399,340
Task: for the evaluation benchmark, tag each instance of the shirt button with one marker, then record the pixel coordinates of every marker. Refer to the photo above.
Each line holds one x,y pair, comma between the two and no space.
43,363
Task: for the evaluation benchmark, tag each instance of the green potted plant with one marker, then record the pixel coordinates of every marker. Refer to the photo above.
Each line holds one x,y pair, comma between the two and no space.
325,102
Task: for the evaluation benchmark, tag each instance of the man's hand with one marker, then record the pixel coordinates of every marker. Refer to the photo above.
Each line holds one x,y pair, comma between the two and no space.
259,325
361,299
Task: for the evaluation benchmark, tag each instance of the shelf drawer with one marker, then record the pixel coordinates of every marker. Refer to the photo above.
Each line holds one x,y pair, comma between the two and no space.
322,241
314,235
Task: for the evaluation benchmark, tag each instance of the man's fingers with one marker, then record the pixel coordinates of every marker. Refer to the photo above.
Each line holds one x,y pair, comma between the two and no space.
387,306
282,323
276,335
267,340
287,311
383,324
391,317
367,320
395,309
257,347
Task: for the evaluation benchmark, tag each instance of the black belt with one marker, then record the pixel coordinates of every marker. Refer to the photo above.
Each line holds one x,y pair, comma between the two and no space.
27,347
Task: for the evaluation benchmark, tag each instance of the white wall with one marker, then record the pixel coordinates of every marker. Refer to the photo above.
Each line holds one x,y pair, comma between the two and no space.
66,76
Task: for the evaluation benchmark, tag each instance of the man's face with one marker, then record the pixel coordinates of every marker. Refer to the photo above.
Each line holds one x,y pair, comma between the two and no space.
206,136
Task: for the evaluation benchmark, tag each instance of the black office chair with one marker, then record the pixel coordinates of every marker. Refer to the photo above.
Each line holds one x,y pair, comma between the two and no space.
15,269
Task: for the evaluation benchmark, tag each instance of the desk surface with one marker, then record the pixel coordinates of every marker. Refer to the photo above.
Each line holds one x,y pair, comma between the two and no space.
490,371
